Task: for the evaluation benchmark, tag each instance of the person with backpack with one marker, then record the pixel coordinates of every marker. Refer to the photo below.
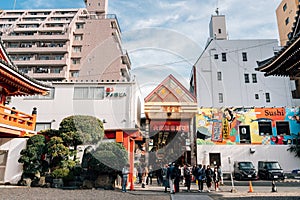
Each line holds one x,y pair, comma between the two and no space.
187,177
209,177
201,177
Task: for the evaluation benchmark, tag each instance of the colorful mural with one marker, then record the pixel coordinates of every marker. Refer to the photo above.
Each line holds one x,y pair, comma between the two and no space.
264,126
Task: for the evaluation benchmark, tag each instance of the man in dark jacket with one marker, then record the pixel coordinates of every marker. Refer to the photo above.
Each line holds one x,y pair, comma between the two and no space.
171,176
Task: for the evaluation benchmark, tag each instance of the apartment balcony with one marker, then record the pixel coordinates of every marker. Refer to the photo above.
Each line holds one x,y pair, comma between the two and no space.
35,49
16,122
126,60
13,38
40,62
53,29
62,75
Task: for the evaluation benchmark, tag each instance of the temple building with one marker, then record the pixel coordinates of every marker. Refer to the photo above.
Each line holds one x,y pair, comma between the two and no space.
15,124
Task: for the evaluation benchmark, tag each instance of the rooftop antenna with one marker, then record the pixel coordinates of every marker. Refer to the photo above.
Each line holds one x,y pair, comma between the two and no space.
15,2
217,9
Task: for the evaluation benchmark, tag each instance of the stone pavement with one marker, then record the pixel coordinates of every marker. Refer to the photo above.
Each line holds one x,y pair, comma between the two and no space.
224,193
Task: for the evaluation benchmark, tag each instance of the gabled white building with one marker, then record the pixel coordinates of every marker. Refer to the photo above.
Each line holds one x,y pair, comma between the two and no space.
225,76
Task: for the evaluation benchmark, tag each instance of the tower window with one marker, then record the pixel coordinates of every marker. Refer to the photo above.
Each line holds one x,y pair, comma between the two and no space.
254,78
220,31
268,100
220,97
244,54
219,74
224,57
246,76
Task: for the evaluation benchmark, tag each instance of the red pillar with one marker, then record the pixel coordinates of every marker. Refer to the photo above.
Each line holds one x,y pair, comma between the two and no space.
131,162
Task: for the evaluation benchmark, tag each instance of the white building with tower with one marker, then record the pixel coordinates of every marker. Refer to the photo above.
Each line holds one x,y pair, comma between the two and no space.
242,114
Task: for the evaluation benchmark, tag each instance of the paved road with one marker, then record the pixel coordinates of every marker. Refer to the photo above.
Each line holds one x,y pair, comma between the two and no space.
190,197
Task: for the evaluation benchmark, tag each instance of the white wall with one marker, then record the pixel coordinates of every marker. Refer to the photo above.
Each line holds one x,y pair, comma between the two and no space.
279,153
235,91
13,169
118,112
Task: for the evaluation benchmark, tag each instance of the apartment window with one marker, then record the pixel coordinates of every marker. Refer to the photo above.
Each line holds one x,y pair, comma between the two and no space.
220,97
244,54
42,126
78,37
283,128
75,61
79,26
55,70
256,96
246,76
88,93
75,74
224,57
254,78
25,70
77,49
265,128
216,56
268,99
287,21
284,7
219,74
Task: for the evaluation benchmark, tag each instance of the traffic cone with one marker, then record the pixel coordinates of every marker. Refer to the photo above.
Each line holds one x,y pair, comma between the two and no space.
250,187
274,189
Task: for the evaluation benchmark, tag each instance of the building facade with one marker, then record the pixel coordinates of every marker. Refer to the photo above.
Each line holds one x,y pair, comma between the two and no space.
285,13
224,75
66,44
243,115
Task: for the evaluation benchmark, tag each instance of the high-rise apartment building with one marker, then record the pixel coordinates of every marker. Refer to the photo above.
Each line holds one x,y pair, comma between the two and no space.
76,45
286,12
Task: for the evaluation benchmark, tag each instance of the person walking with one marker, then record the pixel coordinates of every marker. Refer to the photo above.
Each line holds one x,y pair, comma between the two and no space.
150,176
165,180
216,179
187,177
144,176
125,172
220,173
209,177
171,177
201,175
177,174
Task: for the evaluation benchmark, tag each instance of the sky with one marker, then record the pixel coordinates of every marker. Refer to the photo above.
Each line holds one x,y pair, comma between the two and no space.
165,37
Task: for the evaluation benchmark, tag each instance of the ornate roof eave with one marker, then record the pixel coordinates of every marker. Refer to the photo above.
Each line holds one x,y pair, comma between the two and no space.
271,65
277,64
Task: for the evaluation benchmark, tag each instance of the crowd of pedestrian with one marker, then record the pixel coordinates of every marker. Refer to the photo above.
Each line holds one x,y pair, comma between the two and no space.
172,175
